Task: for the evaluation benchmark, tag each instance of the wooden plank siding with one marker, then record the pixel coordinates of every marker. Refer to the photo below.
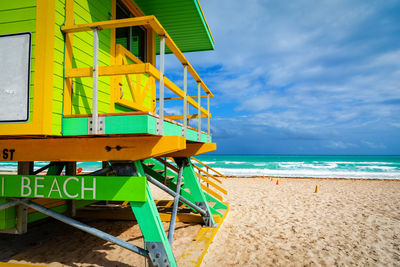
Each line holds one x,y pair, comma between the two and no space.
85,11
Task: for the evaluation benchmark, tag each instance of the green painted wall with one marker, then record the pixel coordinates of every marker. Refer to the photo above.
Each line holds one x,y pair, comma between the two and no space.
85,11
16,17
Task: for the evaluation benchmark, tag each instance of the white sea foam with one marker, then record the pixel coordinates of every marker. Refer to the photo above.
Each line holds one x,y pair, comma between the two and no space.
365,162
309,173
383,168
209,162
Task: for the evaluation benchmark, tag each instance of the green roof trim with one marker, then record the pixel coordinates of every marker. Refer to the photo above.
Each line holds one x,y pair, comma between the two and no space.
183,20
200,10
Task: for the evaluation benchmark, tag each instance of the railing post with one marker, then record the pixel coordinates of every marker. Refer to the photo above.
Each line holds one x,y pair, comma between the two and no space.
208,118
185,106
199,111
95,99
160,124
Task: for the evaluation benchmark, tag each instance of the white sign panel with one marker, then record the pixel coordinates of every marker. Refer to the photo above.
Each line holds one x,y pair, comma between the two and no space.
15,50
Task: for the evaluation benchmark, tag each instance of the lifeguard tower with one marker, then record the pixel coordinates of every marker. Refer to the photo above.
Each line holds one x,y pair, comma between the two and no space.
79,82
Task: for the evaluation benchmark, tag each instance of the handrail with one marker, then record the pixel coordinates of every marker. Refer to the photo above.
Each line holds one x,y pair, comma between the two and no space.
180,98
205,165
140,21
210,175
116,70
203,178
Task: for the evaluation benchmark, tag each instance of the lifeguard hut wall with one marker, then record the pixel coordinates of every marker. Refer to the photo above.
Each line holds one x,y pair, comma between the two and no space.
59,88
79,82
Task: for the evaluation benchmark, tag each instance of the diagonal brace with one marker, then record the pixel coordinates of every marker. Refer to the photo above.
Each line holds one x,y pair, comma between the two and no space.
86,228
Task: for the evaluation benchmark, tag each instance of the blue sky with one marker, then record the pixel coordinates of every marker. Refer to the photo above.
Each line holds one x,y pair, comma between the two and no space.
301,77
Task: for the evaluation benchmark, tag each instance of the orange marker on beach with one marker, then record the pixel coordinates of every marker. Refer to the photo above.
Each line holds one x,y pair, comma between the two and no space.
316,189
277,182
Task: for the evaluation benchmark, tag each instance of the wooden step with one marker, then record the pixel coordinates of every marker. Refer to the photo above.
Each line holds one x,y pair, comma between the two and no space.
159,171
149,164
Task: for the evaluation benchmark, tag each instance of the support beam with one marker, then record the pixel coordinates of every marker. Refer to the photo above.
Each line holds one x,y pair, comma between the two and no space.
10,204
196,192
193,149
208,119
85,228
160,121
172,193
185,105
150,224
93,149
175,206
22,211
199,112
95,97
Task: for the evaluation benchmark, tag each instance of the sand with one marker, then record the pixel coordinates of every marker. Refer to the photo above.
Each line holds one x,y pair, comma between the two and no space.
347,223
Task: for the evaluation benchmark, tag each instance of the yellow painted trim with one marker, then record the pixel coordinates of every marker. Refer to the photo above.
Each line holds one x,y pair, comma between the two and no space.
181,98
108,70
187,218
126,53
41,121
7,264
92,149
193,149
211,192
205,165
133,8
142,21
46,17
68,83
133,69
130,104
174,88
113,54
194,255
180,117
218,187
110,24
208,174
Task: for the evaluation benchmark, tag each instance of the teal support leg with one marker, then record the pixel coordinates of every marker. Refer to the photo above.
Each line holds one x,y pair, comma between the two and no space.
193,184
218,204
150,224
56,168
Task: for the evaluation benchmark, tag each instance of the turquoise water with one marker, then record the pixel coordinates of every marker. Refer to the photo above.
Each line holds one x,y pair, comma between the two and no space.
368,167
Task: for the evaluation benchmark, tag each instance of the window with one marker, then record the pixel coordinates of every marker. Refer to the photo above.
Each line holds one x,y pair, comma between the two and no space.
132,38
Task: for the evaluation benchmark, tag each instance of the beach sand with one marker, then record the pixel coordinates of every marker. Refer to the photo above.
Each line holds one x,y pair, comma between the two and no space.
347,223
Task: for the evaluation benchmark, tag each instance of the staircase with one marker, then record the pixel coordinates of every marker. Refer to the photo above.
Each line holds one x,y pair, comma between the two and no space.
165,171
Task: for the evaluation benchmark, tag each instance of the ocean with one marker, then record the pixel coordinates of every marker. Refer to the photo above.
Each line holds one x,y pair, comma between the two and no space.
363,167
366,167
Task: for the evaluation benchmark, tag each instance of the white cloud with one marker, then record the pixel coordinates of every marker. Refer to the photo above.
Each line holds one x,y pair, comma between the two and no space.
303,66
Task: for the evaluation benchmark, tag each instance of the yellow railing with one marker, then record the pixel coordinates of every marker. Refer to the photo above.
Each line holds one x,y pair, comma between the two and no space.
121,68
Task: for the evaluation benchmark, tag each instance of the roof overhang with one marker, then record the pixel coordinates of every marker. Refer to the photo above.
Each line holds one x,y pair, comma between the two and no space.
183,20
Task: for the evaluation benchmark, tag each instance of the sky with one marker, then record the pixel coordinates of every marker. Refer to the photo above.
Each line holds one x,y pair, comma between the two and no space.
301,77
